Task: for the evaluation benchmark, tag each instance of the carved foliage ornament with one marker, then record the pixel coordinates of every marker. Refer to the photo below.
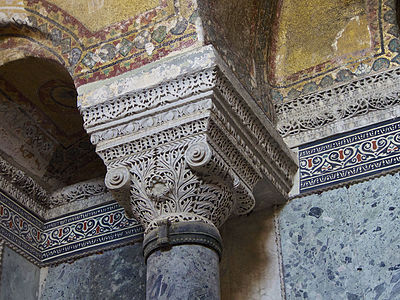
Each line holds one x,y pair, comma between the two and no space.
32,195
359,97
182,182
152,100
191,148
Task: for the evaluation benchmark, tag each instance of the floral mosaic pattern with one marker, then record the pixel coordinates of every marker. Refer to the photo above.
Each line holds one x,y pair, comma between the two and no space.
44,242
351,156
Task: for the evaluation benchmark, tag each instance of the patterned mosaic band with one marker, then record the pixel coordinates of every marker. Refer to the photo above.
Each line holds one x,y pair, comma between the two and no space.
350,156
46,242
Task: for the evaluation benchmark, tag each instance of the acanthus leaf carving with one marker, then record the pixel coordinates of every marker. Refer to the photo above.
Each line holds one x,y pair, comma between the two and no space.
194,149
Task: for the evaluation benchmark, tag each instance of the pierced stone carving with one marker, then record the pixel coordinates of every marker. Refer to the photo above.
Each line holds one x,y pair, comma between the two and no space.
179,193
193,148
80,191
32,195
148,98
359,97
22,187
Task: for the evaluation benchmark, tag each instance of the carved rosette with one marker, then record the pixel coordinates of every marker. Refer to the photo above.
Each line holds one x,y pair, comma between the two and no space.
188,150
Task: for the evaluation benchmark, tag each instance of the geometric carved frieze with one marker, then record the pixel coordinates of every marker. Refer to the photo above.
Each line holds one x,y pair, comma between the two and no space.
313,116
350,157
65,237
191,148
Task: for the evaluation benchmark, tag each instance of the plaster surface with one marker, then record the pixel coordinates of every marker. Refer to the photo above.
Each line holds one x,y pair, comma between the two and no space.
116,274
19,277
250,264
343,243
184,272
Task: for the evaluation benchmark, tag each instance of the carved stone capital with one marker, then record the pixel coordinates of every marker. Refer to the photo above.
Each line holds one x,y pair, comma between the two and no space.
118,181
192,148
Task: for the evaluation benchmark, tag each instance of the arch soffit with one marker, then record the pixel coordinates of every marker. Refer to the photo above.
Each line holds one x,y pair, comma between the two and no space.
101,50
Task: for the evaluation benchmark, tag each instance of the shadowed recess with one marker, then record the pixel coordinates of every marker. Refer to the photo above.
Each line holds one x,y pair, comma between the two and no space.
40,126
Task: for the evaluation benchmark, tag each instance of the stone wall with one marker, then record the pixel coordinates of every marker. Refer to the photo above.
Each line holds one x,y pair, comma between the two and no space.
116,274
249,268
343,243
19,277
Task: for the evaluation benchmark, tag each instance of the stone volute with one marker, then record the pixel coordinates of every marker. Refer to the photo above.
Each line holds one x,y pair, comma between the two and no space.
184,151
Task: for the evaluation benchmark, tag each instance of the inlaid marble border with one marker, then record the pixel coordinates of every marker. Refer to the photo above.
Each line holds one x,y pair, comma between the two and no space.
63,238
350,156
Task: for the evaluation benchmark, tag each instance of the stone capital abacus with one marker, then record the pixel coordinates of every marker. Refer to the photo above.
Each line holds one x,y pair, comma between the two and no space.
190,147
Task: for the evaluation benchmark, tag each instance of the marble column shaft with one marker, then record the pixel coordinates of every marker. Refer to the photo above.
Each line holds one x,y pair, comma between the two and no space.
183,272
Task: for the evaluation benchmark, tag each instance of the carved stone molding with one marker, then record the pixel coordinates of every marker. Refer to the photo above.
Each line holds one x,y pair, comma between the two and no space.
75,192
193,146
1,256
22,187
33,196
313,112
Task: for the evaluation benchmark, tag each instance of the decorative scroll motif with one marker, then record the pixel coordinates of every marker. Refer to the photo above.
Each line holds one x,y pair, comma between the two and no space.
118,181
17,183
376,92
193,148
351,156
79,191
198,155
66,237
30,194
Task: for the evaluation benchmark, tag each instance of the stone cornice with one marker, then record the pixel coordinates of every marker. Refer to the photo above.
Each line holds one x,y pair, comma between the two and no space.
339,108
33,196
22,187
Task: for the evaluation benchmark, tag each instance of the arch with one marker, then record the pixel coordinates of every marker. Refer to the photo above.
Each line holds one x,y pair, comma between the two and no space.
20,40
40,126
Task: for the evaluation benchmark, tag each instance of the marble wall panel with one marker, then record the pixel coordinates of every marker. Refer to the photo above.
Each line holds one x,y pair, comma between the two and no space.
115,274
19,277
343,243
250,259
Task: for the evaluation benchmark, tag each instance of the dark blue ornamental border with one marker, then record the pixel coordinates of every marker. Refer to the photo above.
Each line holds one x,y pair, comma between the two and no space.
351,156
69,236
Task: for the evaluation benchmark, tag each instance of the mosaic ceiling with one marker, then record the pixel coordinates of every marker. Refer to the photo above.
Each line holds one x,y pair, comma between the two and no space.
319,44
40,126
95,39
